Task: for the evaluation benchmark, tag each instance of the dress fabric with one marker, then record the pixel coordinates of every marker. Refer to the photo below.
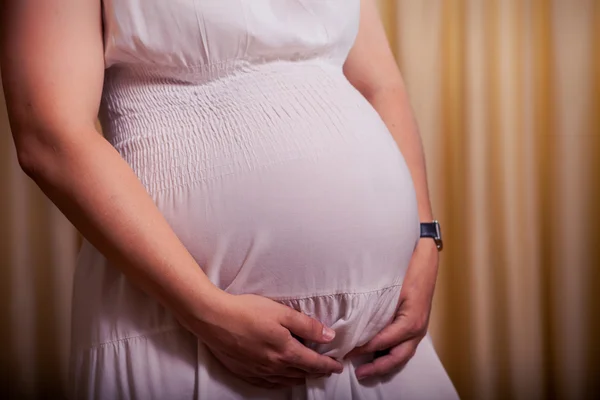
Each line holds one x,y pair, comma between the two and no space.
277,175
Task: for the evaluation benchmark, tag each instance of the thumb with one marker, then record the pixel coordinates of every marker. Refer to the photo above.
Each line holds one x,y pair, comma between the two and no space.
307,328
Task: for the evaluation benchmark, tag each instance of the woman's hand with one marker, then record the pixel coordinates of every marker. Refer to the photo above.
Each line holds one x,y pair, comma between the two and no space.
400,339
252,337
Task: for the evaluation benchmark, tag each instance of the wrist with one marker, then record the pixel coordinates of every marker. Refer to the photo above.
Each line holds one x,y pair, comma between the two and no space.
432,231
203,302
212,306
427,247
422,272
424,211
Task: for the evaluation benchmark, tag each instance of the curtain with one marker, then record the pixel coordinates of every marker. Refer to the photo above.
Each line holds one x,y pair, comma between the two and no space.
507,96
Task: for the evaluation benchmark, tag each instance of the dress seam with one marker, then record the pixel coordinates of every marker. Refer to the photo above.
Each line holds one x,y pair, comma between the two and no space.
140,336
293,298
275,298
233,64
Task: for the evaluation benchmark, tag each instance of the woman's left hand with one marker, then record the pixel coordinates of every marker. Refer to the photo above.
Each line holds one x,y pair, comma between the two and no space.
403,335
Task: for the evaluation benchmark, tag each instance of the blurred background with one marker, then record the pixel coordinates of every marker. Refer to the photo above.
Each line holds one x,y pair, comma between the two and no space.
507,95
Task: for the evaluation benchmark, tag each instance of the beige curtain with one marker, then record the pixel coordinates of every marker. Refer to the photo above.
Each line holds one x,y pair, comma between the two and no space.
507,95
508,99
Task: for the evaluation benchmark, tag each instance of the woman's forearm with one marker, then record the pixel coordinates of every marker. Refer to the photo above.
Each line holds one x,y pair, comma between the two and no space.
95,188
394,108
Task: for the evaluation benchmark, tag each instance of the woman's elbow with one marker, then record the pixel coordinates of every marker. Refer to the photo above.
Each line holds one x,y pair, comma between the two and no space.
37,150
29,156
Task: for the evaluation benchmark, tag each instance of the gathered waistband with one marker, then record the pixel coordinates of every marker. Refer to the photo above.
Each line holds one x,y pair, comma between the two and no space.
175,133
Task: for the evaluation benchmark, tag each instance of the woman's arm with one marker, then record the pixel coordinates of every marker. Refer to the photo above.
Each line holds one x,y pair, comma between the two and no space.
372,69
52,68
52,63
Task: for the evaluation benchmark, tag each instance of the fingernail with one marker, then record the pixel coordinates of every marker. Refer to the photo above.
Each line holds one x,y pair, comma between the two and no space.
328,333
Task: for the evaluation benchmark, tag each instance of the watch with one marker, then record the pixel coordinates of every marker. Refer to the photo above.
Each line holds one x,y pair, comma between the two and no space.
432,230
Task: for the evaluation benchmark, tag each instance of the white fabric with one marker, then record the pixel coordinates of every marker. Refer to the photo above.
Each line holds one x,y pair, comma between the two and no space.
277,175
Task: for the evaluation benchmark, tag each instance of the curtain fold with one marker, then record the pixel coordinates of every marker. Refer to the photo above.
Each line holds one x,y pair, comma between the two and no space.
507,96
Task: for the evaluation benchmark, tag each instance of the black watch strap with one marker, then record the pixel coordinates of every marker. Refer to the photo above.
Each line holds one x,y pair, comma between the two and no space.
432,230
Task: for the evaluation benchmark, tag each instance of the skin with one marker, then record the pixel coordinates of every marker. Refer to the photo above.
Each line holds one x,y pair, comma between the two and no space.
51,58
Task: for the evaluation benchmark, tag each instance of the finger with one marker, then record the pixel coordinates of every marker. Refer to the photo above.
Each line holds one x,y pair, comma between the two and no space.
391,336
306,327
397,358
298,338
312,362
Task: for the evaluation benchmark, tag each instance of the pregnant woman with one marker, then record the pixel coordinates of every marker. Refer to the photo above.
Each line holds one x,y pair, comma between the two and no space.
252,212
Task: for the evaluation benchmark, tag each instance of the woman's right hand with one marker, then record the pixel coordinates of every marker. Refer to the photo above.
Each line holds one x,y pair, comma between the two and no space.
252,337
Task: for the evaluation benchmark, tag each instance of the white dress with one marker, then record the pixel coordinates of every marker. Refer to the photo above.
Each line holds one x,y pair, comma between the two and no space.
276,174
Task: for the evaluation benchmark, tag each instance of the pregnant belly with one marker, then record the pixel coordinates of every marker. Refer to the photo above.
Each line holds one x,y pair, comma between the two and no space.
285,184
330,236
